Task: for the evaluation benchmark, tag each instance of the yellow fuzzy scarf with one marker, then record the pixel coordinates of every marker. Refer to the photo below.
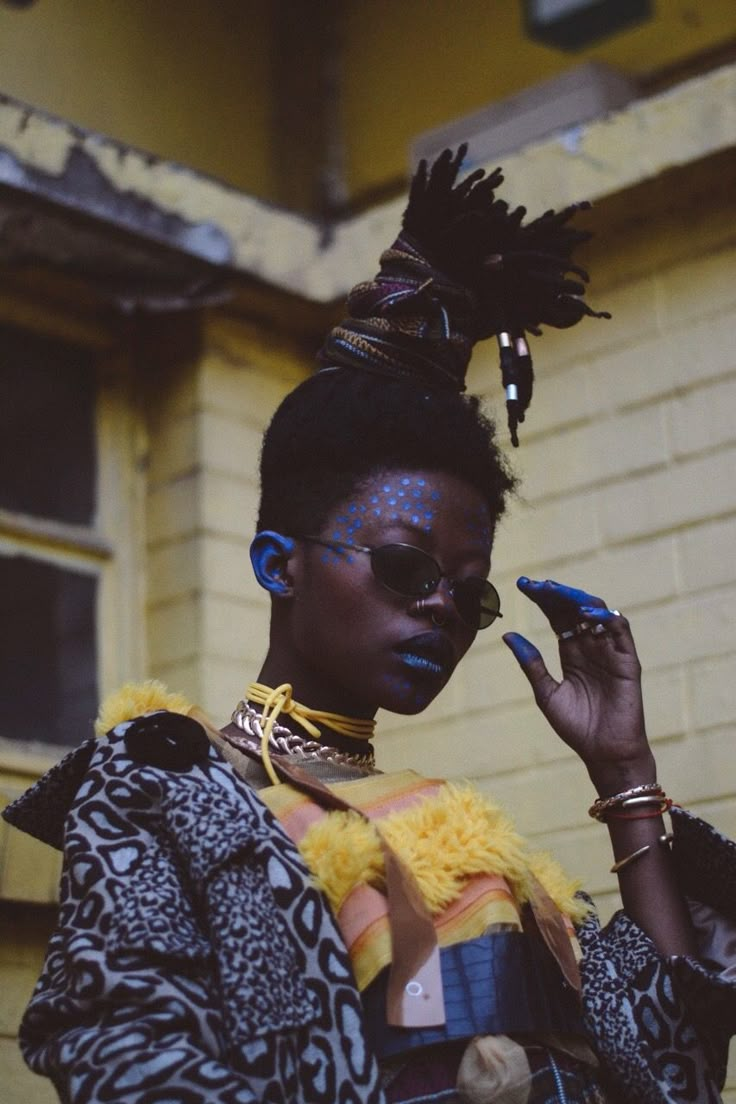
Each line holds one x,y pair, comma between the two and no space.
444,840
135,698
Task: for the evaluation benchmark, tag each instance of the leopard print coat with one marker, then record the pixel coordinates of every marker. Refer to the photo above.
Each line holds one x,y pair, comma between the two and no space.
190,964
194,960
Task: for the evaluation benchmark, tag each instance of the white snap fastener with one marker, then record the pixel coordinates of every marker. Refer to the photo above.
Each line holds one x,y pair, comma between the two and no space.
414,989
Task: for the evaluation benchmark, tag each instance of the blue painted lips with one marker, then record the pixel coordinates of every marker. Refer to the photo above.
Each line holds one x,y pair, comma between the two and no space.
429,653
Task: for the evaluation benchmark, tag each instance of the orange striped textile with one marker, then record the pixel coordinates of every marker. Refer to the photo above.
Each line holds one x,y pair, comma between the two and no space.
485,900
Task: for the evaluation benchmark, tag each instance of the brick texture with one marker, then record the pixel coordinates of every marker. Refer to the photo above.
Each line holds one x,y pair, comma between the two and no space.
207,623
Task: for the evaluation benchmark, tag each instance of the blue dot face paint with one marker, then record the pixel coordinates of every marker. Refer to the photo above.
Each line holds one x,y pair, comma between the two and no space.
414,696
406,499
479,525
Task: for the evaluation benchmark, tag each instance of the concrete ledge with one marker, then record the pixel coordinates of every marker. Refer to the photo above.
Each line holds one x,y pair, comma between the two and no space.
170,205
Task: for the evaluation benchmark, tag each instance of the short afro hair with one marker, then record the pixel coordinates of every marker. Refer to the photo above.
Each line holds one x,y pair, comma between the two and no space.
341,426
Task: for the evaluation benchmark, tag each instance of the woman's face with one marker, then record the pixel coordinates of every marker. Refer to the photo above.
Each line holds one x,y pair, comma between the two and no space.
362,646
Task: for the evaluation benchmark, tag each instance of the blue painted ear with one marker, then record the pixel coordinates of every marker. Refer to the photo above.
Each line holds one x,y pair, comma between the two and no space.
269,554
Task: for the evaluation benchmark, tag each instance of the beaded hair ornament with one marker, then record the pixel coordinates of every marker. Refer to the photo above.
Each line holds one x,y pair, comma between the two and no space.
465,267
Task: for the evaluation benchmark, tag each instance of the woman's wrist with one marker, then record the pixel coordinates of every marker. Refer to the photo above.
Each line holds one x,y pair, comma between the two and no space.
614,777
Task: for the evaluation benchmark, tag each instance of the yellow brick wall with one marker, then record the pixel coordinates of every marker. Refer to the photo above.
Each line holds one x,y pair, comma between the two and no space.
29,872
207,618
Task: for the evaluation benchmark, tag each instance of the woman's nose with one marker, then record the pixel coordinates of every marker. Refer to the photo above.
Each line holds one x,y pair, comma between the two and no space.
439,606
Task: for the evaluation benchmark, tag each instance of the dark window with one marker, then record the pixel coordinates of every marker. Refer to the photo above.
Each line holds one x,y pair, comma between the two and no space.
47,429
48,597
48,681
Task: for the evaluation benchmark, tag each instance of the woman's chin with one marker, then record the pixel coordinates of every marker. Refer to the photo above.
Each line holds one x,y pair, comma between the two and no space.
409,697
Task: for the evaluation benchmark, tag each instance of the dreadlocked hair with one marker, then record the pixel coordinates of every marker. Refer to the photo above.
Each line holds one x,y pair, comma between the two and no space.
340,427
464,267
390,392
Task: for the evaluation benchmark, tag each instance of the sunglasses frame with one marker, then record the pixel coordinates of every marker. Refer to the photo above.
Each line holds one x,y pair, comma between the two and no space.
451,580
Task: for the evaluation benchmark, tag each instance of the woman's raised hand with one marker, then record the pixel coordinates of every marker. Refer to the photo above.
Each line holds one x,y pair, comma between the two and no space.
596,707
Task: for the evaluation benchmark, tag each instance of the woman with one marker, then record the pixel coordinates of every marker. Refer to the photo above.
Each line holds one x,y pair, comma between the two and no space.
195,958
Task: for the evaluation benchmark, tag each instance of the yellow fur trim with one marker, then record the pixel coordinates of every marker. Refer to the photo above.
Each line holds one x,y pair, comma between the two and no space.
561,888
343,851
444,840
135,698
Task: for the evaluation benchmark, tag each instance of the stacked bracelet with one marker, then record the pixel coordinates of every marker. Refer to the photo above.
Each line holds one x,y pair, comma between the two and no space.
648,794
661,805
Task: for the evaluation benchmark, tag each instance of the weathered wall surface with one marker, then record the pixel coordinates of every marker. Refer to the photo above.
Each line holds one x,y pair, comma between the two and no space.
398,84
189,82
202,85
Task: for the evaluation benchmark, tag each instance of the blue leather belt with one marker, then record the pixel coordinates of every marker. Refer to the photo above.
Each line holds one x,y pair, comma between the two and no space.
502,983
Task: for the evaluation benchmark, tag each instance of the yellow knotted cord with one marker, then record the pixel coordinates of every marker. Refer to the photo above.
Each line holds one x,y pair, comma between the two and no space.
279,700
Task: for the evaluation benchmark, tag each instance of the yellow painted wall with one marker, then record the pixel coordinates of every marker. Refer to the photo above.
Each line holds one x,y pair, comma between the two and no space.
418,64
196,82
187,81
207,618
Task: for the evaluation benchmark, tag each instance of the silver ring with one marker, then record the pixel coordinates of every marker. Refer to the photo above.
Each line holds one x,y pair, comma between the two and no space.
435,616
576,630
598,629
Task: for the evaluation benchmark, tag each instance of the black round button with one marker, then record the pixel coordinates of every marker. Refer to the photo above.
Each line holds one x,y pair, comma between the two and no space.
168,740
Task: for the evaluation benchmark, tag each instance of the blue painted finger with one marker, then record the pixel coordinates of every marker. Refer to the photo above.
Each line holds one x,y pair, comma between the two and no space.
599,613
563,605
523,649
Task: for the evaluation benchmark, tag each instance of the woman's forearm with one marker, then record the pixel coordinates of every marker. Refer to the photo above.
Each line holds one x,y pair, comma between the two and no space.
643,862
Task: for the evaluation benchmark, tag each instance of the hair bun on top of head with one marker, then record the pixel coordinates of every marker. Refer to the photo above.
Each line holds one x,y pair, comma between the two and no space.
464,267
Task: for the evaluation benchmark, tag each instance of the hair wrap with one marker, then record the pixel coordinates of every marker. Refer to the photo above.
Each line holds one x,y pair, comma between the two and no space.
465,267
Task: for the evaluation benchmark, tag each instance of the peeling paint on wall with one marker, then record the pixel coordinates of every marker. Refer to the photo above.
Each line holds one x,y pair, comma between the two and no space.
209,221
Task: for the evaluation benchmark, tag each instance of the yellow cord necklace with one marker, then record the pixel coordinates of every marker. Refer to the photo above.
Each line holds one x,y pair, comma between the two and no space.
279,700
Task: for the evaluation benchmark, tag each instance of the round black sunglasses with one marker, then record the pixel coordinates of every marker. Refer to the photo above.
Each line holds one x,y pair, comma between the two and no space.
413,573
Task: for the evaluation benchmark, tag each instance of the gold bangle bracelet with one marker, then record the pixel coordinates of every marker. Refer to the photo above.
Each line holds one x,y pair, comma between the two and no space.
619,866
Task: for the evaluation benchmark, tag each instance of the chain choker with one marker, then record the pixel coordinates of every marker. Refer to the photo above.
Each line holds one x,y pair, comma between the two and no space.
282,741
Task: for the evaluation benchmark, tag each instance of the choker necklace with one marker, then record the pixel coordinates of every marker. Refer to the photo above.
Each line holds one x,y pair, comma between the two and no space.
278,701
281,701
282,741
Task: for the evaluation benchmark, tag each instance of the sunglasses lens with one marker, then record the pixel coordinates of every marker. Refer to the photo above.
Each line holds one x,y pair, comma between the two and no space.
413,573
477,601
405,570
